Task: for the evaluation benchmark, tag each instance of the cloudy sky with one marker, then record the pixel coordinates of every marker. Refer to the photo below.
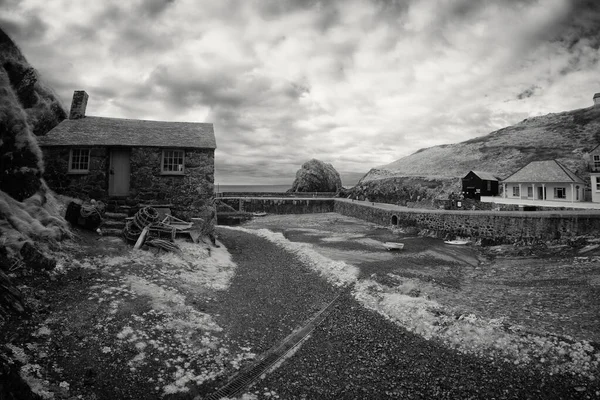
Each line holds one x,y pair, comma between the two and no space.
355,83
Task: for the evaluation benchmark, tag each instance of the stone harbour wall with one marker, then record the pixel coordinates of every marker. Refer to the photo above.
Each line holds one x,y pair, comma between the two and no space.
499,226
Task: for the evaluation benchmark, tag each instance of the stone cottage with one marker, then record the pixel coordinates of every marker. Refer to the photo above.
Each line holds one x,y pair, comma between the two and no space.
132,162
544,180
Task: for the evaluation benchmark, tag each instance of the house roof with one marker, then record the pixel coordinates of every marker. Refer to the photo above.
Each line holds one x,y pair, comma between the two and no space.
486,176
548,171
101,131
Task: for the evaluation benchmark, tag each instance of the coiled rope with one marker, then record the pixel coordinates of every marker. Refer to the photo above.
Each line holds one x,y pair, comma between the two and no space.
88,210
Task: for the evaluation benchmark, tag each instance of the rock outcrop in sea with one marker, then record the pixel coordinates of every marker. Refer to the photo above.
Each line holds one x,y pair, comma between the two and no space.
316,176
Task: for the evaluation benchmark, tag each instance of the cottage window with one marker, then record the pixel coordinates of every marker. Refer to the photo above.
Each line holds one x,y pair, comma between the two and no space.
172,161
516,192
560,193
529,191
597,184
79,160
596,162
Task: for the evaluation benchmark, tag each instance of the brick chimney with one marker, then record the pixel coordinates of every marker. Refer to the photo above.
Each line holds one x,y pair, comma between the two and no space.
80,98
597,100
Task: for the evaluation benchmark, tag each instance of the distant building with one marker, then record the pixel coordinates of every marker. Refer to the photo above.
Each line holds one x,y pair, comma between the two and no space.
597,100
477,183
131,161
594,167
544,180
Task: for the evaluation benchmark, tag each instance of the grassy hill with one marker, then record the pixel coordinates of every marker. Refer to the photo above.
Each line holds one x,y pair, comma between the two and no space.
435,172
565,136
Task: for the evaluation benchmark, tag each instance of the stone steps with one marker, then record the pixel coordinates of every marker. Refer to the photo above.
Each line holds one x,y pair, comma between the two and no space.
115,215
113,224
112,232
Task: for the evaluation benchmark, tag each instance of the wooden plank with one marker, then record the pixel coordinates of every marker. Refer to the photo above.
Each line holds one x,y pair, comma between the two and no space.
141,238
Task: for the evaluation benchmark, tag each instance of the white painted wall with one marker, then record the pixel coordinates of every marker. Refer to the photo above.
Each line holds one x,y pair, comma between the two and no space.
549,191
595,181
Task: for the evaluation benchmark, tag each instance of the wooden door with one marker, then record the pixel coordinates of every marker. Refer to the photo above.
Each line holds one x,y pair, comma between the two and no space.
118,180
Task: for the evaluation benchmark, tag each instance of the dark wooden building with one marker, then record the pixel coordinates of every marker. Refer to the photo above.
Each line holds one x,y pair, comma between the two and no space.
476,184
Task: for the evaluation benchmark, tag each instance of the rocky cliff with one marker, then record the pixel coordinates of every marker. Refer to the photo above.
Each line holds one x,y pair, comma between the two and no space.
29,223
42,108
316,176
27,108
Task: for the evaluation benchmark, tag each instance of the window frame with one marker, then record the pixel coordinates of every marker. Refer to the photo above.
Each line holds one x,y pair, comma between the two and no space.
72,170
597,183
596,162
172,158
564,192
515,191
529,192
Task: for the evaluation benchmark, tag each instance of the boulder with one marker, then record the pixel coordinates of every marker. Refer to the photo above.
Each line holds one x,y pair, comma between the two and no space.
316,176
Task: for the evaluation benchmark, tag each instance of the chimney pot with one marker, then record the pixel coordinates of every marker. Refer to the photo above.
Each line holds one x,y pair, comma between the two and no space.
78,105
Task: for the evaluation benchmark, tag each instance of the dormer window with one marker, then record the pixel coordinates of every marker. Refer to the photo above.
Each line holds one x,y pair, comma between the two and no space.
79,161
173,162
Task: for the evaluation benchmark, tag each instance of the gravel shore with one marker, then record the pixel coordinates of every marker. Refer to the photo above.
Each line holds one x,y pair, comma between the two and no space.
358,354
271,295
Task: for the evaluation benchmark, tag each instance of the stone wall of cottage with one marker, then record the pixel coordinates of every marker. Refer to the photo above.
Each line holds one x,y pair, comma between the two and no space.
188,195
82,186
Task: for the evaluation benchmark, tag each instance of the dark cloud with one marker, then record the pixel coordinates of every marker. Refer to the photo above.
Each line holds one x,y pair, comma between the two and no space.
530,91
29,29
138,39
153,8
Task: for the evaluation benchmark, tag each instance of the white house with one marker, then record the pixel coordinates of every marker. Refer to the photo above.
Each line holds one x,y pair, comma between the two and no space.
595,171
544,180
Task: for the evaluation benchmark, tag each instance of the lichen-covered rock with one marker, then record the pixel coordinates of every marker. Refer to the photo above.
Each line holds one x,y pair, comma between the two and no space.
316,176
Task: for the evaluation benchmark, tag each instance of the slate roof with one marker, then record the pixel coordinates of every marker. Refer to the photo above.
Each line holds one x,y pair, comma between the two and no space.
548,171
101,131
486,176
